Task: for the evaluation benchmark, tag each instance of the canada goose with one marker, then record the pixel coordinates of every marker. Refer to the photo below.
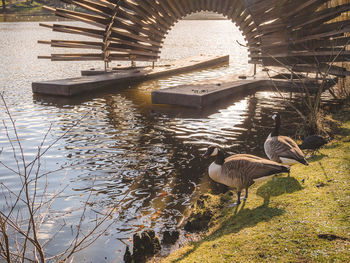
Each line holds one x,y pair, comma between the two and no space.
240,170
313,143
282,149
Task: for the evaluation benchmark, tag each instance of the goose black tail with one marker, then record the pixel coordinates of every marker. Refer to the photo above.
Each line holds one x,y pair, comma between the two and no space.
285,169
303,161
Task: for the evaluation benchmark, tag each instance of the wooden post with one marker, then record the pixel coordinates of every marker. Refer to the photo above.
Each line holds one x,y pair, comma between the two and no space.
254,69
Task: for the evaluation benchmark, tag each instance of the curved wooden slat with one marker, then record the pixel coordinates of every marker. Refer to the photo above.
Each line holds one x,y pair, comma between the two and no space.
299,32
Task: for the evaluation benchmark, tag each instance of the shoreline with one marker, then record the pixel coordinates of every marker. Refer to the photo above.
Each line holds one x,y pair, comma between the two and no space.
298,219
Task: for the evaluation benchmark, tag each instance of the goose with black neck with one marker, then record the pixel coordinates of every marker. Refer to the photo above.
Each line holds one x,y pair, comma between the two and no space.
282,149
240,171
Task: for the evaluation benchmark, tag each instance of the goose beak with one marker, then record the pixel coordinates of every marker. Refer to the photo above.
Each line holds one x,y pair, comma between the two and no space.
206,154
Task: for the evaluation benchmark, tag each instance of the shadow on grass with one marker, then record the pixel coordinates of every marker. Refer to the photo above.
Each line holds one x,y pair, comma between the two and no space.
278,186
323,170
316,157
332,146
244,218
241,219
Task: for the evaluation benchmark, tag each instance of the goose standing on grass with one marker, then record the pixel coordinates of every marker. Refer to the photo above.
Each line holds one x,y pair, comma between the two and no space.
282,149
240,170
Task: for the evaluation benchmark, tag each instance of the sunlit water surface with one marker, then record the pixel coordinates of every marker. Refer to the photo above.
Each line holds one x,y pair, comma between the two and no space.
124,144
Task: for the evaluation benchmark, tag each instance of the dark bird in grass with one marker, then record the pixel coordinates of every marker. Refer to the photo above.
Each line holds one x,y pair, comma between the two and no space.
313,143
240,170
282,149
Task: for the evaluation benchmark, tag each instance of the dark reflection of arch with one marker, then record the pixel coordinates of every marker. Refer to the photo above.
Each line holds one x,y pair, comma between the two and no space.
164,159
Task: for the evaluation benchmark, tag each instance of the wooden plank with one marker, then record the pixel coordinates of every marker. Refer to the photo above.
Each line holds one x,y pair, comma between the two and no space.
308,45
95,7
83,17
234,5
73,44
77,57
95,33
192,6
146,17
198,4
330,53
220,6
165,21
148,28
238,10
178,6
320,17
280,61
302,5
185,7
170,8
97,45
322,68
137,45
117,33
226,7
133,57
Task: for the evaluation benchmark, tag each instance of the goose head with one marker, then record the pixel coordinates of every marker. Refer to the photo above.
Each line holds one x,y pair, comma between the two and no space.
211,151
215,151
277,118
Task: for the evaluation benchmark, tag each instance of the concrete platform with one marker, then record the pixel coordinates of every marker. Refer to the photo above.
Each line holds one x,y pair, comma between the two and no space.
201,94
73,86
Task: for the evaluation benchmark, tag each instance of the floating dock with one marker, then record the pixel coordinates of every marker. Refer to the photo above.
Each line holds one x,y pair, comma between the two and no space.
204,93
95,80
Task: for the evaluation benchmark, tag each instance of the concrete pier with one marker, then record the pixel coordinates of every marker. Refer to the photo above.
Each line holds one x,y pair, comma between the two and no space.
96,80
201,94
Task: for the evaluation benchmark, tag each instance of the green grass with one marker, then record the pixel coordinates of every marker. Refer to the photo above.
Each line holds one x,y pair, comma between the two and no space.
21,5
283,217
6,3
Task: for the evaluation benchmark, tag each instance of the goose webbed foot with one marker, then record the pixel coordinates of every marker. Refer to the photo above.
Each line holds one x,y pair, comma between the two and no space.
238,202
246,194
233,204
238,198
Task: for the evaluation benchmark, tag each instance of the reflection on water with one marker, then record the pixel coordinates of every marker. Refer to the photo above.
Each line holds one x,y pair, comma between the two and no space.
125,143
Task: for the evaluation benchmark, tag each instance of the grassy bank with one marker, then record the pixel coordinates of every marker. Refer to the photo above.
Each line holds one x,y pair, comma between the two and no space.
303,218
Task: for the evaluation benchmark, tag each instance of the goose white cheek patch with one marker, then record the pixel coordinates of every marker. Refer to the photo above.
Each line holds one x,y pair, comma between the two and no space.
215,152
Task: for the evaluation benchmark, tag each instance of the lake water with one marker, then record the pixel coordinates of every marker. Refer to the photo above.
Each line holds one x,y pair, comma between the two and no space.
124,144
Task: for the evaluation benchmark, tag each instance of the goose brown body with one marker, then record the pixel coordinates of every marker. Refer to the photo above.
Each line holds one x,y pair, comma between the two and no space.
241,170
282,149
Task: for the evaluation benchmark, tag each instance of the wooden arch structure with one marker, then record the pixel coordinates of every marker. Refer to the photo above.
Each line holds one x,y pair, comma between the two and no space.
302,34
